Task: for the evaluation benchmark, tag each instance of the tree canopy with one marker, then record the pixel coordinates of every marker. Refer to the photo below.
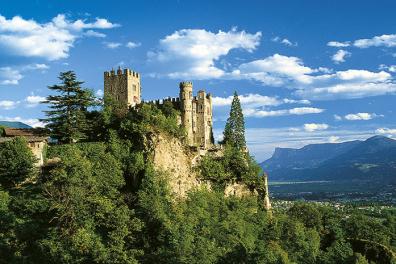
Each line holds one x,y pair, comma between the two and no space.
67,119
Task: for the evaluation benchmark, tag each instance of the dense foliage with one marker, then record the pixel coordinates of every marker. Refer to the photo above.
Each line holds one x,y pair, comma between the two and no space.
104,202
67,119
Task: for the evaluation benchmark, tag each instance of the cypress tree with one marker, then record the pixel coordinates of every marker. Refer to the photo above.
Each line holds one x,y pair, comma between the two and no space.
67,119
234,131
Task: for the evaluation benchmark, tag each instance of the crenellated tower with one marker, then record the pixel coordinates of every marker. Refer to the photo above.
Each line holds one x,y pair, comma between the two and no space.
123,87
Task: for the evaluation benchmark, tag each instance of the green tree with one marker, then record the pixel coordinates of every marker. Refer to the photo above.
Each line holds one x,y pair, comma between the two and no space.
234,131
67,118
16,162
91,223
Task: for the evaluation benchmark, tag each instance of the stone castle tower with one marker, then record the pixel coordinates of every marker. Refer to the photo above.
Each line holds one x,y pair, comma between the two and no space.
196,111
196,115
123,87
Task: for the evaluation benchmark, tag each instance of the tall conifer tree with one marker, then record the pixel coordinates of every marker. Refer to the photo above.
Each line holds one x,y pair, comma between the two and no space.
67,117
234,131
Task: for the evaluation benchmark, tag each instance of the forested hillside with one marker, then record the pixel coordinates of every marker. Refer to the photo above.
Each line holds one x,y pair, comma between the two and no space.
100,199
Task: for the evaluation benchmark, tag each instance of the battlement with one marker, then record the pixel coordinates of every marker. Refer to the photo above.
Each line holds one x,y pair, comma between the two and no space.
162,101
126,72
185,84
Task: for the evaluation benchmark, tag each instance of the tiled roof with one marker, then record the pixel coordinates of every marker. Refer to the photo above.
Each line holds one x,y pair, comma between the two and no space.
14,132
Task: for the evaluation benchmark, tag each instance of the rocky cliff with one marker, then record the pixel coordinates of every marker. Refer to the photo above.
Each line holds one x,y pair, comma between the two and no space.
179,162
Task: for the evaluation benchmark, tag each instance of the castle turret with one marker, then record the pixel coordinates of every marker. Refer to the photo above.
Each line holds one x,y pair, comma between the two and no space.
204,120
186,108
123,87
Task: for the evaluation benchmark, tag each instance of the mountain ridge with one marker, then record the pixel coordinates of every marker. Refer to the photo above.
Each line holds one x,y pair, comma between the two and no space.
373,158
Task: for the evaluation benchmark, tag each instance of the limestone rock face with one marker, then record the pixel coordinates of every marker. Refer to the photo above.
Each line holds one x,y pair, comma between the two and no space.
172,157
237,189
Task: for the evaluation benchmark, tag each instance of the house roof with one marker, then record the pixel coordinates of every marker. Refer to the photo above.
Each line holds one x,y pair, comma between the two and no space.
31,135
15,132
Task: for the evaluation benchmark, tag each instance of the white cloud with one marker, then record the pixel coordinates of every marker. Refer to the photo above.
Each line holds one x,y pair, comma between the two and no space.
12,75
51,40
248,99
9,76
132,45
377,41
361,116
191,53
93,33
37,66
386,131
314,127
276,70
338,44
99,93
340,56
284,41
249,112
391,68
255,100
348,84
337,117
7,104
112,45
34,100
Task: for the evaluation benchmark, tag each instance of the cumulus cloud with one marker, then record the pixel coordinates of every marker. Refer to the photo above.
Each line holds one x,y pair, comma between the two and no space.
132,45
348,84
275,70
361,116
255,100
377,41
34,100
191,53
338,44
340,56
282,112
315,127
51,40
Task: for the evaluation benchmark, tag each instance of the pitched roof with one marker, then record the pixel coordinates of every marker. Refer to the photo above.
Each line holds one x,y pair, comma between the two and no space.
14,132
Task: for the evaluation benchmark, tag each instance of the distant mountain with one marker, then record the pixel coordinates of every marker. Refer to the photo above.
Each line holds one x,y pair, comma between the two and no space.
14,124
374,158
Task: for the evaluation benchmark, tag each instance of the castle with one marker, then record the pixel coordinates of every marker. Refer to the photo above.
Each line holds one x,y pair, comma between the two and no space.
196,111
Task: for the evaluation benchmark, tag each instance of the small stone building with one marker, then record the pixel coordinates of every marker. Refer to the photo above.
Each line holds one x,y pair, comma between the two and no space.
36,141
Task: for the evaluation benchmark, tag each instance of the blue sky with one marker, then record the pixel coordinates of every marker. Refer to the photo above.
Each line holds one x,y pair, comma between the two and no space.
306,71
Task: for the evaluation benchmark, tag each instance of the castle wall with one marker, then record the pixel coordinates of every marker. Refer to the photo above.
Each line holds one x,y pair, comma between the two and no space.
196,111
